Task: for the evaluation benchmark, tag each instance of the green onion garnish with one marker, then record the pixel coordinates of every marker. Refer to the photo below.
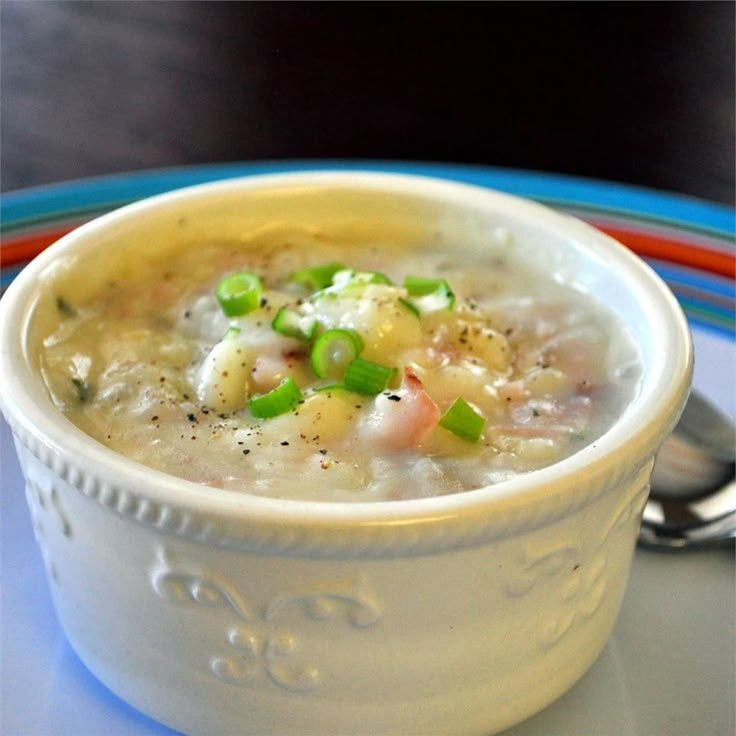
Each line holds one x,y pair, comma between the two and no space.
464,421
349,277
358,282
333,350
317,277
351,283
368,378
239,293
410,306
428,294
422,285
289,323
371,277
278,401
343,277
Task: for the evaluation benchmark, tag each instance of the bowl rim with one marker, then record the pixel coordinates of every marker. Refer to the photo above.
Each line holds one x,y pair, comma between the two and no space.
235,519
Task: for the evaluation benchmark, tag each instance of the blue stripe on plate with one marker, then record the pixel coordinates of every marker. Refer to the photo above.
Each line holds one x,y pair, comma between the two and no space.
695,320
697,279
8,273
34,202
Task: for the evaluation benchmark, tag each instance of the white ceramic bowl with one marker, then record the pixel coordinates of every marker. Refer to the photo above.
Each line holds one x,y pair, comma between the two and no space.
225,613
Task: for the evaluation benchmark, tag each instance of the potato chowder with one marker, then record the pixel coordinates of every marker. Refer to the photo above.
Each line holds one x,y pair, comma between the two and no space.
325,373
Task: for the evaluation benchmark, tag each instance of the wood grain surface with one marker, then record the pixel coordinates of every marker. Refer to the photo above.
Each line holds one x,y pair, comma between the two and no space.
639,92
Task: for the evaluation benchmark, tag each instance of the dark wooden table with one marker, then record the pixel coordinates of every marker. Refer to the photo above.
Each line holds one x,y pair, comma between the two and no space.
634,92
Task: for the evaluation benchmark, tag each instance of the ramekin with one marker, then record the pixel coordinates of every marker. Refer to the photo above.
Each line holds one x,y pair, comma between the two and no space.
219,612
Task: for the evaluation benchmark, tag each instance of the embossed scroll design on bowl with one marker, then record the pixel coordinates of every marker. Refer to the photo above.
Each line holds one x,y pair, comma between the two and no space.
258,645
579,592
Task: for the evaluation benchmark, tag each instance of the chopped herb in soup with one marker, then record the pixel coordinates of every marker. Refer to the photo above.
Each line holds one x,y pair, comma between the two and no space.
366,374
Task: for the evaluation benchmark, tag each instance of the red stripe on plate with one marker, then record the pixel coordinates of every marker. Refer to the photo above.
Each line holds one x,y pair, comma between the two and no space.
651,245
26,247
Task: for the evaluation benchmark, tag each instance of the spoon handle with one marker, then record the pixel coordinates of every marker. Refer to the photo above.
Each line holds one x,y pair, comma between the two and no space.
676,526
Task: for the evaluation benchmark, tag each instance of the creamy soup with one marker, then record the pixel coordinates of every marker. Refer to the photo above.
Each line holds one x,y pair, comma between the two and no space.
371,373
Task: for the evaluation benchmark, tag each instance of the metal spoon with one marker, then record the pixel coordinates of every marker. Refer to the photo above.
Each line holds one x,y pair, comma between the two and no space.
693,487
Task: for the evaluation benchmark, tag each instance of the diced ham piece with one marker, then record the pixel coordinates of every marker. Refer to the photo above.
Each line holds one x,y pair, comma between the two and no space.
403,418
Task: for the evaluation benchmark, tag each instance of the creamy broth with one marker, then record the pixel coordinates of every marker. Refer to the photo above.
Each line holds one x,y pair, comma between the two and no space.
150,365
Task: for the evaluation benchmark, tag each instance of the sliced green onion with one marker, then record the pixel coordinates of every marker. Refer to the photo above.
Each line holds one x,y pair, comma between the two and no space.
351,276
333,350
343,277
422,285
292,324
428,294
371,277
413,308
464,421
340,279
239,293
278,401
349,282
368,378
232,332
317,277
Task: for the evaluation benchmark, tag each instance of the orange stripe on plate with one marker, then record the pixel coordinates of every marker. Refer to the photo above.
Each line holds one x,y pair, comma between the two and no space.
674,251
28,246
